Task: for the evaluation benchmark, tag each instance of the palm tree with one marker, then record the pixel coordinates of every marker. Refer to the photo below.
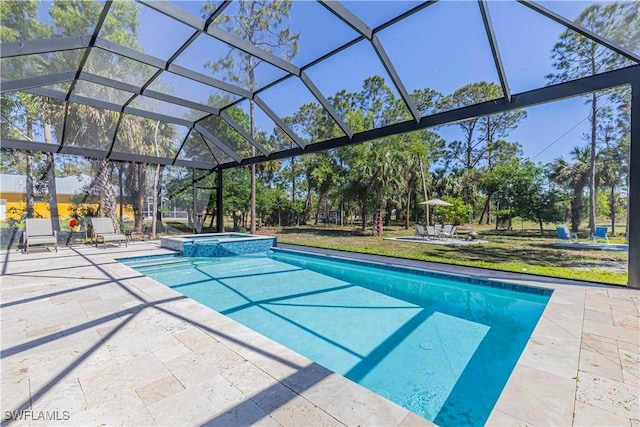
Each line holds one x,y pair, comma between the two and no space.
575,176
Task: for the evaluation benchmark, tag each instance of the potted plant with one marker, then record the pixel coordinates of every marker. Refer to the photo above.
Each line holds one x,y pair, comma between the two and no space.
74,224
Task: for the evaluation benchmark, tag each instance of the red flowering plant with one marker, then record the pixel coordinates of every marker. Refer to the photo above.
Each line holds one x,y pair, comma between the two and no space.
74,224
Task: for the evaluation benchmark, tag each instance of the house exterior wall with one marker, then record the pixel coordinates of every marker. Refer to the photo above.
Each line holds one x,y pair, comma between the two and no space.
17,205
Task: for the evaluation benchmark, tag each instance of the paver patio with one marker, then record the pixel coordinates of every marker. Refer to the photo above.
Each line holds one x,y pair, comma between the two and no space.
89,341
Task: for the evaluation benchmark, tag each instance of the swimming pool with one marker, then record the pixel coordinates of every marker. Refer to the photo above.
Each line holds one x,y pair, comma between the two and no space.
441,346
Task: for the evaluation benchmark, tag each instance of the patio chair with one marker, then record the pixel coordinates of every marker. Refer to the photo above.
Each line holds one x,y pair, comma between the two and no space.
601,234
565,235
104,232
446,231
421,232
39,232
449,231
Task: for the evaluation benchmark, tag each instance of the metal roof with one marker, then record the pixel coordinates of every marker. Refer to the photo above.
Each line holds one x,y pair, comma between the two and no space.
67,185
179,89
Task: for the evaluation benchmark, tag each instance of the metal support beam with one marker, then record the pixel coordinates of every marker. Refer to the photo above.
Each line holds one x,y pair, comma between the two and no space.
346,16
278,121
32,47
176,12
219,203
325,104
395,78
244,133
523,100
581,30
634,189
210,137
253,50
202,78
37,81
502,75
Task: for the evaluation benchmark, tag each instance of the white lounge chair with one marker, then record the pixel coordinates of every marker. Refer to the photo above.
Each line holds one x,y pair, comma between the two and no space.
421,232
39,232
449,231
103,231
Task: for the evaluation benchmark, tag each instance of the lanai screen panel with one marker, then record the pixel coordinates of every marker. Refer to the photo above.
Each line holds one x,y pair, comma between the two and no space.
229,91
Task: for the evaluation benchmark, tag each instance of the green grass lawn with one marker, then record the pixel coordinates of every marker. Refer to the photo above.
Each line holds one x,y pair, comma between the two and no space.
517,251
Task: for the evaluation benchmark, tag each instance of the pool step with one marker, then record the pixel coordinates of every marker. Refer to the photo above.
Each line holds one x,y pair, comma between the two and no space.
175,264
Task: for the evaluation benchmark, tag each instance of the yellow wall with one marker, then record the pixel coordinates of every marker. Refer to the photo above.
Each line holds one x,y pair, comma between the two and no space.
16,206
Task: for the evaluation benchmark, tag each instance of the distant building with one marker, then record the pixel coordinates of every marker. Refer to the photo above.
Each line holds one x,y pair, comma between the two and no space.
13,197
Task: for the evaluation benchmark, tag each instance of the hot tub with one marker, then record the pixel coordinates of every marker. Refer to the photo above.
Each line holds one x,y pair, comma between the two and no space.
218,244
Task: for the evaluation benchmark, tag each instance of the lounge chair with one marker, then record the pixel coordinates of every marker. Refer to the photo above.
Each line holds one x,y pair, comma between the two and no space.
39,232
104,232
449,231
421,232
565,235
601,234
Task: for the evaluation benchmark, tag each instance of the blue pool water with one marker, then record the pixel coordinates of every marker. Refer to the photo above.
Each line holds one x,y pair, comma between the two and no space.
438,346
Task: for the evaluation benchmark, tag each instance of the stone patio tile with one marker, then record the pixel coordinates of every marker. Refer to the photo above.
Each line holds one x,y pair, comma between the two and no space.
290,409
630,361
14,389
195,339
165,354
620,333
551,342
538,397
627,319
192,367
609,395
246,413
601,365
500,419
277,360
124,377
601,317
124,409
597,302
14,331
135,342
588,415
603,345
34,332
65,395
159,389
348,402
201,402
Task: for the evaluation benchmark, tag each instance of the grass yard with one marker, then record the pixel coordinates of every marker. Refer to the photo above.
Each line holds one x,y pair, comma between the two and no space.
518,251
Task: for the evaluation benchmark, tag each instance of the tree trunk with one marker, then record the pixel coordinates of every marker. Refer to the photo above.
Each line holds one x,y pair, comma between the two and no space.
51,190
485,210
592,166
106,197
51,182
154,218
141,172
408,210
31,209
612,208
424,189
29,186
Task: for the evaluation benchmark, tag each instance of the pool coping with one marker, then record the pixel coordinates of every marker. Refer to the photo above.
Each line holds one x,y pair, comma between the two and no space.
565,376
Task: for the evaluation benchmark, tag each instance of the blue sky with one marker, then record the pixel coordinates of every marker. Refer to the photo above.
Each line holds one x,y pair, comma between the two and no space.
442,47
